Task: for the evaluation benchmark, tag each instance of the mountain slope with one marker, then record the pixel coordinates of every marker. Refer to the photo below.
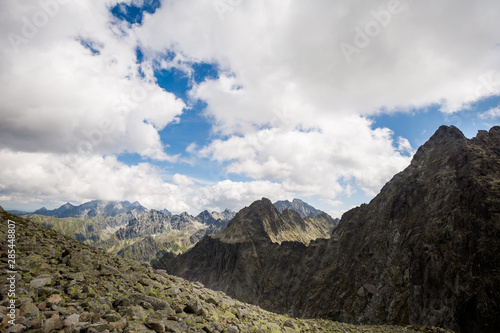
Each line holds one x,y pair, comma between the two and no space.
263,221
144,250
111,294
425,250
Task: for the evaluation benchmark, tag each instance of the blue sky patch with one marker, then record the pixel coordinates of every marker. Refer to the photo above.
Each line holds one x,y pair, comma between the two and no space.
174,81
418,125
133,14
204,71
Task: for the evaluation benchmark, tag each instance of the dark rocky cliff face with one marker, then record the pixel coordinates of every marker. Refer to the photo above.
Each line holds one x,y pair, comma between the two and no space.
426,250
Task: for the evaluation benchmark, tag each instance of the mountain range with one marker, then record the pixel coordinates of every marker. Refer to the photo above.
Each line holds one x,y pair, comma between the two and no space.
133,231
63,285
425,250
93,208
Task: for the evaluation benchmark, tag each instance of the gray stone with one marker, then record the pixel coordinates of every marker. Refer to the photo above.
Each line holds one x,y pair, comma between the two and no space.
195,307
370,288
72,320
52,324
156,325
54,299
108,270
139,328
232,329
29,308
17,328
158,304
99,327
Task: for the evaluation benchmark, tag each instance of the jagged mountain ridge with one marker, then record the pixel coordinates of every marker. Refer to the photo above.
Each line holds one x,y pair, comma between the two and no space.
150,223
425,250
304,209
93,208
108,224
116,231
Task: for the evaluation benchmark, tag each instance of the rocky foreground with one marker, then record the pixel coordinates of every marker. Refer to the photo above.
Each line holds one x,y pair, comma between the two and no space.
66,286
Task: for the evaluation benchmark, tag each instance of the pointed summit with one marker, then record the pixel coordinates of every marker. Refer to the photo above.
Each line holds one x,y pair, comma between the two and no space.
447,133
259,221
441,146
301,207
41,211
262,221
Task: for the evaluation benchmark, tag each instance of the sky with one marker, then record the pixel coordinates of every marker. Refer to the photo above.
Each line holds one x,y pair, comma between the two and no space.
213,104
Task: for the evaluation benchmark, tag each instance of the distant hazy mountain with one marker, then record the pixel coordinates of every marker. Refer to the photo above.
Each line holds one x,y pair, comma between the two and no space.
93,208
299,206
166,211
18,212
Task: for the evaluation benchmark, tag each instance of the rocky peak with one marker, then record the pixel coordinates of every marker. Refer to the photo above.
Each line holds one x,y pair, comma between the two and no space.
206,217
445,138
260,221
301,207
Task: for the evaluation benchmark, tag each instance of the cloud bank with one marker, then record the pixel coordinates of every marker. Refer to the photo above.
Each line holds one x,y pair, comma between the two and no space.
290,109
